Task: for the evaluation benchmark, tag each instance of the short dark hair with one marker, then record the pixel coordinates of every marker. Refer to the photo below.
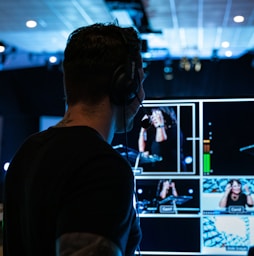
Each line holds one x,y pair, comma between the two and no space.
91,56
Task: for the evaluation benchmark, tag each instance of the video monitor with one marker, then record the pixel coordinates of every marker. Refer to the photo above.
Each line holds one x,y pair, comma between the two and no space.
228,127
211,171
170,236
228,215
224,195
227,234
167,195
165,138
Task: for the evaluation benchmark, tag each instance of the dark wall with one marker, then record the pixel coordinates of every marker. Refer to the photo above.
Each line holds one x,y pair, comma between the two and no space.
27,94
224,78
24,96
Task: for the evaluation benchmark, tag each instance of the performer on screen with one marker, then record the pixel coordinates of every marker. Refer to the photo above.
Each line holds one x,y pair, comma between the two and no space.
234,195
160,139
165,188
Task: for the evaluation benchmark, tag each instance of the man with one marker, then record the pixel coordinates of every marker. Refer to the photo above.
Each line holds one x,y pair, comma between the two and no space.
67,191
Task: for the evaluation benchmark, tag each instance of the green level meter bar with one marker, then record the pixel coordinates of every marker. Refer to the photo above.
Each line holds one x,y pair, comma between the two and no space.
207,163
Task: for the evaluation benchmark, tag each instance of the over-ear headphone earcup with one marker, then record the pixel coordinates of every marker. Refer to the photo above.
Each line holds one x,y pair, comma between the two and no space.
123,88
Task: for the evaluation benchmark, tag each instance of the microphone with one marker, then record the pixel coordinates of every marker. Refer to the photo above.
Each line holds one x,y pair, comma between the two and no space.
147,121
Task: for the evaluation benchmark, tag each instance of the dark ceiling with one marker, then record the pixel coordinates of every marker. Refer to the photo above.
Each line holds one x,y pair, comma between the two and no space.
175,28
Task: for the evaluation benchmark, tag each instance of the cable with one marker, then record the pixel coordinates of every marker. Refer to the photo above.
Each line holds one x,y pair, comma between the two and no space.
125,133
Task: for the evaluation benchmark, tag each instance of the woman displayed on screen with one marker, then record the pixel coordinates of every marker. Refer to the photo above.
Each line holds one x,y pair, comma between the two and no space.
165,188
160,139
234,195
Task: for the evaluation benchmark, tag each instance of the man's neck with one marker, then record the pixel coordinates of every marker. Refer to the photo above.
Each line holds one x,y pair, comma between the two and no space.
98,117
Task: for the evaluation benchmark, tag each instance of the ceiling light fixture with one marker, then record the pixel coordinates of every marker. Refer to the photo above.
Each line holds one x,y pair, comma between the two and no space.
31,24
53,59
228,53
225,44
196,64
185,64
2,47
238,19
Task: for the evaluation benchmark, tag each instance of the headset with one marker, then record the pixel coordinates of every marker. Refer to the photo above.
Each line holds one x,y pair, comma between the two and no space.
125,82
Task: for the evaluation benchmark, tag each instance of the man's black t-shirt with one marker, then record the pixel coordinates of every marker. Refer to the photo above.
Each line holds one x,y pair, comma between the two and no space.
67,180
